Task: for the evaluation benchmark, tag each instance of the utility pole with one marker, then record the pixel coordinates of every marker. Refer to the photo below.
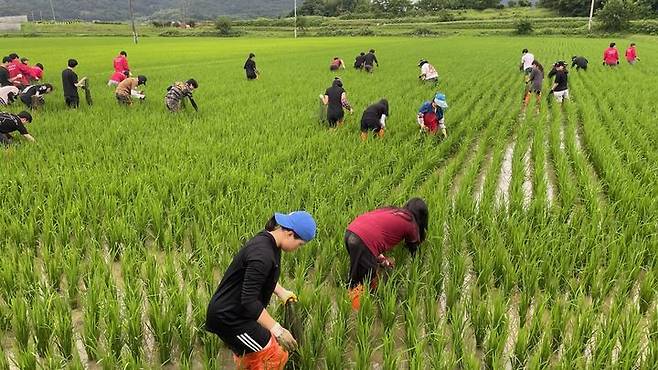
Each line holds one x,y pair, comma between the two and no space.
132,19
295,18
591,14
52,7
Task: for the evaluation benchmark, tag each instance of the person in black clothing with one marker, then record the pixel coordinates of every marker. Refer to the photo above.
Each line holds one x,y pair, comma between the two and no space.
370,60
10,123
4,73
335,98
32,96
358,61
579,63
237,311
560,88
250,68
70,84
374,119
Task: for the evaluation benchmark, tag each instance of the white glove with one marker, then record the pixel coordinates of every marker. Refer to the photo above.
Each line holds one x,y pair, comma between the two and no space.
284,337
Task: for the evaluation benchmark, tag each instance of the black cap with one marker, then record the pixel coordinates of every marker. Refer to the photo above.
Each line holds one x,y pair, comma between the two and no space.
141,80
560,63
524,51
192,82
25,115
72,63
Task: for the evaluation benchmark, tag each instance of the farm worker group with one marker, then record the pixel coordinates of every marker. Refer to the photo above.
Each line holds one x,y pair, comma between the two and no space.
366,62
237,312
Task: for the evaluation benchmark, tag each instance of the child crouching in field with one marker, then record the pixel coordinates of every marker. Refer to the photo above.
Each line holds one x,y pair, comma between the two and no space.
430,115
177,93
126,90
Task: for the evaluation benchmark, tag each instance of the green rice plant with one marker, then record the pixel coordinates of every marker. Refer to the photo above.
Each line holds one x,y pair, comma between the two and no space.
335,347
458,329
211,347
479,315
519,356
605,342
414,333
647,291
41,317
185,329
54,266
73,272
630,339
63,328
651,356
496,340
91,316
5,316
132,322
26,358
363,329
391,356
4,363
113,324
559,317
161,323
455,281
20,322
315,330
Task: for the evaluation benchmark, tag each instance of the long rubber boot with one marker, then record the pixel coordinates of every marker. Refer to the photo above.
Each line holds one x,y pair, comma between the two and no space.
355,296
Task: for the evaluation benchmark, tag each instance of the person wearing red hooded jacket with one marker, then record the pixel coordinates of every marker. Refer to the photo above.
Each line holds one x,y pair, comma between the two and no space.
611,56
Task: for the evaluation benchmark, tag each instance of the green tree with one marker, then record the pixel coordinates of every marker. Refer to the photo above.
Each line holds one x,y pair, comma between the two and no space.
224,25
312,7
617,14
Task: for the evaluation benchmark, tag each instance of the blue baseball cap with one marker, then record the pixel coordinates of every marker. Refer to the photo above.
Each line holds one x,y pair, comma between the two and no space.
440,100
301,222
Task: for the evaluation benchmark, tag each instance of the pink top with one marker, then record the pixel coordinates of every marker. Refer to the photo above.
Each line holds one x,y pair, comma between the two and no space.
382,229
121,64
631,54
611,56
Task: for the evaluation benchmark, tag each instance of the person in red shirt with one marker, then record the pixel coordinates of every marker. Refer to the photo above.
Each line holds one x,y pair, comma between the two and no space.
336,64
19,73
611,56
374,233
121,69
36,72
631,54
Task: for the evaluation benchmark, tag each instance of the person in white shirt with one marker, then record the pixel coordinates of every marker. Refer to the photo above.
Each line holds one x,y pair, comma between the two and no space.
427,72
526,62
8,94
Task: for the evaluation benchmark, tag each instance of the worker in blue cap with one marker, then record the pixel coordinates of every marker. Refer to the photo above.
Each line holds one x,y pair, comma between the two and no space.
430,116
237,312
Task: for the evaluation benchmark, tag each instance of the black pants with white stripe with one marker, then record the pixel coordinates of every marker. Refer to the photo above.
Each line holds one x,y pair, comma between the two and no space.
246,339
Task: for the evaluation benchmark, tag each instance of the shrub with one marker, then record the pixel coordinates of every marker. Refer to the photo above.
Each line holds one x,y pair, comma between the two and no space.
523,27
224,25
616,15
422,31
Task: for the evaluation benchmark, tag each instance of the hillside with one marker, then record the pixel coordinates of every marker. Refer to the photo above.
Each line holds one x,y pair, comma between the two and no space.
160,9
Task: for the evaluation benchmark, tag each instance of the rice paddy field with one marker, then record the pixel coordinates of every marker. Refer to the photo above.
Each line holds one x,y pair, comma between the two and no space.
117,225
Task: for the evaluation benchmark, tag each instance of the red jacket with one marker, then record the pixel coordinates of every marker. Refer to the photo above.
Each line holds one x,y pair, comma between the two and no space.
611,56
121,64
631,54
36,73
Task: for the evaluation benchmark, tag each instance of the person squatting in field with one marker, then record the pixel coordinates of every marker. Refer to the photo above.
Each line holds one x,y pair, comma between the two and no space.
374,233
19,72
579,63
237,311
335,98
250,68
359,60
631,54
374,119
14,122
427,72
127,89
121,69
560,88
430,116
70,84
176,94
336,64
8,94
535,82
33,96
369,61
611,56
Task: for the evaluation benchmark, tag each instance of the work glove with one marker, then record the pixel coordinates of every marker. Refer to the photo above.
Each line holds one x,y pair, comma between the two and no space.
287,296
385,262
284,337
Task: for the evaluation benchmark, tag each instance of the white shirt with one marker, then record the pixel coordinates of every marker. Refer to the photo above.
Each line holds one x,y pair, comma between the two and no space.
527,60
429,71
4,94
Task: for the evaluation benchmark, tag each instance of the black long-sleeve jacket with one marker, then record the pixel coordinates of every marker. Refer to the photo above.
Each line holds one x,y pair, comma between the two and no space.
247,285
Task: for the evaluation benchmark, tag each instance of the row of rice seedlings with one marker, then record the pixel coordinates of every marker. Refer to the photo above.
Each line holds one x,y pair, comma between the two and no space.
516,193
363,329
338,334
566,188
4,362
314,342
497,336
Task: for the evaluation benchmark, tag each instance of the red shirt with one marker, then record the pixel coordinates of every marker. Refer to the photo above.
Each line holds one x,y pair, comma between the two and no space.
118,76
611,56
121,64
36,73
631,54
382,229
431,121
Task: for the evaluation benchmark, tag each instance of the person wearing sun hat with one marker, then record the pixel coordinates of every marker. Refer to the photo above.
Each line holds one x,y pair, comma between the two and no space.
237,311
430,116
373,234
427,72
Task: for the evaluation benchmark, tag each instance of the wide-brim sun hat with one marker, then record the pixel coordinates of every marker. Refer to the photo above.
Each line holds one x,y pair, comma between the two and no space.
301,222
440,100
